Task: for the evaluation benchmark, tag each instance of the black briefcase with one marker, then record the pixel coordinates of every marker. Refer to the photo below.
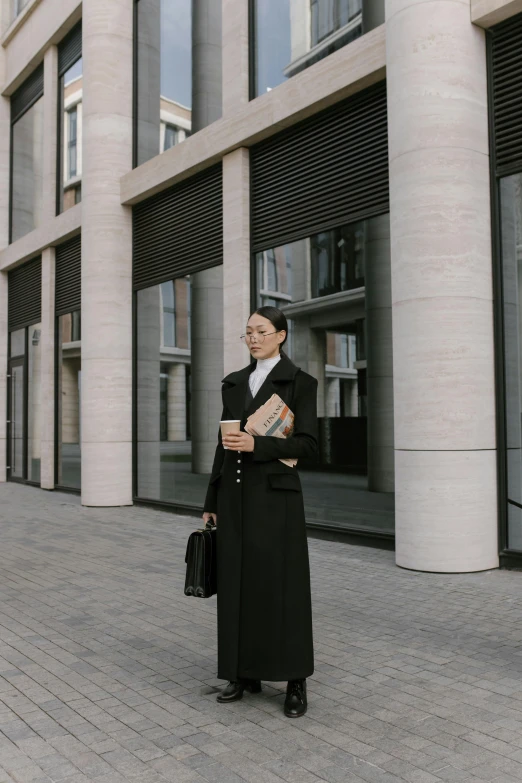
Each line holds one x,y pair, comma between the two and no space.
201,563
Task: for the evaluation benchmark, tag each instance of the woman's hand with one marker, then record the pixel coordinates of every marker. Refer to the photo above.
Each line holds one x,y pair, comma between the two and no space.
239,441
209,516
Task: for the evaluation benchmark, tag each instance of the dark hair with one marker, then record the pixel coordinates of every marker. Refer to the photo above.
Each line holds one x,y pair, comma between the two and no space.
276,317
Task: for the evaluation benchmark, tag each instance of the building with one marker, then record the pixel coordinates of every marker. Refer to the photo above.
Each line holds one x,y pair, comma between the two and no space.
168,165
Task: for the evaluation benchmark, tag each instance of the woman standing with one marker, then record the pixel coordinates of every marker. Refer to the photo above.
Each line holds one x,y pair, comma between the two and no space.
264,604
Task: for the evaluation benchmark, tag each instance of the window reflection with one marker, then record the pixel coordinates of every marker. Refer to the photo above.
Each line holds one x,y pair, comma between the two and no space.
164,77
164,394
291,35
71,97
511,228
178,84
319,282
25,403
69,400
17,343
18,7
27,176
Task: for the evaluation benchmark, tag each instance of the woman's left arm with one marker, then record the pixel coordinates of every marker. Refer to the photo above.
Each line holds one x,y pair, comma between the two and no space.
303,441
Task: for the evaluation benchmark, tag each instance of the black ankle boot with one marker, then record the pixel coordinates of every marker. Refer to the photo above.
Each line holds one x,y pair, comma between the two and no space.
296,703
234,690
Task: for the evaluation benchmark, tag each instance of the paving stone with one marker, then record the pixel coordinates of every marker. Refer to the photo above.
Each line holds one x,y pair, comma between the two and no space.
108,672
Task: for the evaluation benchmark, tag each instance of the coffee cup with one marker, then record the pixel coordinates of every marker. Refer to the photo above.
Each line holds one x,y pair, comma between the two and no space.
228,426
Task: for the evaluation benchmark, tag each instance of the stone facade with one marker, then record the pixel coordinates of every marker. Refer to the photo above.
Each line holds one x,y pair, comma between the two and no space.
430,313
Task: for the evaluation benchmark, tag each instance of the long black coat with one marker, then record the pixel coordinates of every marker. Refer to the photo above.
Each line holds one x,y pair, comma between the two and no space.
264,604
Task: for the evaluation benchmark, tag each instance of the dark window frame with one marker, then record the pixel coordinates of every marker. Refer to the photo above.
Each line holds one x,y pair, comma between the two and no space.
509,558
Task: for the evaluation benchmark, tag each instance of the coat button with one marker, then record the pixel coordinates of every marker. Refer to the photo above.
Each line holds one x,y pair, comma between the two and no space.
238,480
239,471
239,462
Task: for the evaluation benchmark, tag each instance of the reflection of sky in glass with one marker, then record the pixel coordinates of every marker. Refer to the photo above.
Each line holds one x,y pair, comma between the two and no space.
273,42
176,50
74,72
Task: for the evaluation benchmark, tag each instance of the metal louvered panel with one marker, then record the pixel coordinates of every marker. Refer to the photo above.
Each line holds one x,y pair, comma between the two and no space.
180,230
506,83
324,172
24,298
70,49
68,296
27,94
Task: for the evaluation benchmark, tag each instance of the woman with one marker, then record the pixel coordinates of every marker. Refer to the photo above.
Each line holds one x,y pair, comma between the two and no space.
264,605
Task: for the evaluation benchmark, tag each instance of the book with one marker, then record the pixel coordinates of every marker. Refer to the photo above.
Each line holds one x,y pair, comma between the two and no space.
274,418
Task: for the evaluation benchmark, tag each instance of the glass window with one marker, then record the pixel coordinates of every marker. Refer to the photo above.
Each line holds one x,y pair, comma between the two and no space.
291,35
511,234
18,7
170,87
27,176
166,462
70,162
17,343
16,419
172,136
169,314
337,260
25,404
306,279
69,363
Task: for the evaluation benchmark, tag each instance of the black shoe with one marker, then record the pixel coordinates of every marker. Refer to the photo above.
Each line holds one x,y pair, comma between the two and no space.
296,703
234,690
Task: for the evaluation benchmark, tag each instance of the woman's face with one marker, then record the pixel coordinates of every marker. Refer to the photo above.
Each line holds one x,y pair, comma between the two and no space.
262,339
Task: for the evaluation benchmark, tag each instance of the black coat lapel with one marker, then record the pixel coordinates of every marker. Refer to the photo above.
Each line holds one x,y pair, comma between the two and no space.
235,389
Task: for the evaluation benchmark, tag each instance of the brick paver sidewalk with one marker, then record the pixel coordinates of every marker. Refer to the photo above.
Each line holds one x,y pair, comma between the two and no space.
107,672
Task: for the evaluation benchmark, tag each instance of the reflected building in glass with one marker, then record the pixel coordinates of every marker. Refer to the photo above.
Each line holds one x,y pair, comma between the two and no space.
321,286
292,35
71,136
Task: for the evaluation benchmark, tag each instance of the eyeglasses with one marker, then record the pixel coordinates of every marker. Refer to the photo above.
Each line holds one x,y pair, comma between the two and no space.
247,338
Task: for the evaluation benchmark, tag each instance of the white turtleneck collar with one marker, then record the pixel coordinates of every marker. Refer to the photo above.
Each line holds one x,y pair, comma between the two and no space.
258,376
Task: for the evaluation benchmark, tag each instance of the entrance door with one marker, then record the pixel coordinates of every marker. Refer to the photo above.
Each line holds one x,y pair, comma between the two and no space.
16,420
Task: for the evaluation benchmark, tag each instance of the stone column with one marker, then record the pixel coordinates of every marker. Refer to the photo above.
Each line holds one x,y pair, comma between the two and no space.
48,366
333,397
379,355
352,402
177,402
206,63
207,365
235,56
236,256
207,286
444,394
50,153
309,352
106,254
148,86
3,374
